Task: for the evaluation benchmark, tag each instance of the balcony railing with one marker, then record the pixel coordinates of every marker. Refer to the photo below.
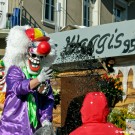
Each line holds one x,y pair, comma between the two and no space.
26,18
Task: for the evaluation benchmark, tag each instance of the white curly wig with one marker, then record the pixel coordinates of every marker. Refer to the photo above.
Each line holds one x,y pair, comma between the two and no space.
17,46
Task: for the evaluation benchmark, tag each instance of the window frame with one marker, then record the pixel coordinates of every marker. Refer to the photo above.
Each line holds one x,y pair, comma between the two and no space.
51,24
48,22
86,17
121,5
118,18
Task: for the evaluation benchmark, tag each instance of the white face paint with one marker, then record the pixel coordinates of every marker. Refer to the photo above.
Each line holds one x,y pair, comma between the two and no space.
36,52
33,63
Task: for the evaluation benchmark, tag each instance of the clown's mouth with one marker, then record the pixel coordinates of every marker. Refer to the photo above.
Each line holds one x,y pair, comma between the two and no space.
34,62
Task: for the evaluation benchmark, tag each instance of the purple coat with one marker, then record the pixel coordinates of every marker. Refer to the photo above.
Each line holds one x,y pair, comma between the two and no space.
15,120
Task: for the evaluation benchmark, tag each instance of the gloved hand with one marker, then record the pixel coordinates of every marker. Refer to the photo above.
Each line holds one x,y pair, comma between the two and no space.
46,129
44,88
45,74
46,123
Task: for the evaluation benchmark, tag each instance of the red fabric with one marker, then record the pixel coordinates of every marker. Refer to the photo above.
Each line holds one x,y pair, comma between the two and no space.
94,113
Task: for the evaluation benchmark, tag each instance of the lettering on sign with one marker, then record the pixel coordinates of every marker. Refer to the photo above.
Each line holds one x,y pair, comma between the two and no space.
87,47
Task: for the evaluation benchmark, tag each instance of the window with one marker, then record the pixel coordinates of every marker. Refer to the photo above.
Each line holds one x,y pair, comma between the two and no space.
48,12
120,10
86,12
49,16
118,14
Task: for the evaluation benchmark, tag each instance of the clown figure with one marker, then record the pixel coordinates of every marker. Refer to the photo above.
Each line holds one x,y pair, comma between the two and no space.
29,98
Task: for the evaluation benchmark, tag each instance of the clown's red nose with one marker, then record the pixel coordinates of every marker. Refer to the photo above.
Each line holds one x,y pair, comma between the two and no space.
43,48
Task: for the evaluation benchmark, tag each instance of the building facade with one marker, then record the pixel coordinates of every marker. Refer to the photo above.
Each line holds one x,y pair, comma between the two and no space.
53,15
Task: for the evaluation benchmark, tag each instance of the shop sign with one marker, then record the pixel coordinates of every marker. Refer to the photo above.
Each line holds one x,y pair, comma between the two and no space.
108,40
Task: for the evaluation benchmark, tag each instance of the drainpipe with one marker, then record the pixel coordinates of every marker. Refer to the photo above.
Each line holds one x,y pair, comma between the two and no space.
113,14
91,13
42,20
21,5
99,11
58,10
95,12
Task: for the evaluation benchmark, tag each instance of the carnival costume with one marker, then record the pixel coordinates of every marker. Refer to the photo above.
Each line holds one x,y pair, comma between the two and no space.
28,106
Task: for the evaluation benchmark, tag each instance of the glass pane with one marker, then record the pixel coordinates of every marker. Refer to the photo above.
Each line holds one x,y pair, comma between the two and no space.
88,13
84,12
118,13
47,1
47,11
52,2
84,22
52,13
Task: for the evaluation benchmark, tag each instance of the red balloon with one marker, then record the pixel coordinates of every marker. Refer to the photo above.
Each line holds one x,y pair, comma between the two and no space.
43,48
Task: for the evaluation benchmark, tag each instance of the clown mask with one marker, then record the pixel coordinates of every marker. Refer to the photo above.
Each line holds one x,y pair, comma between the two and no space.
38,50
